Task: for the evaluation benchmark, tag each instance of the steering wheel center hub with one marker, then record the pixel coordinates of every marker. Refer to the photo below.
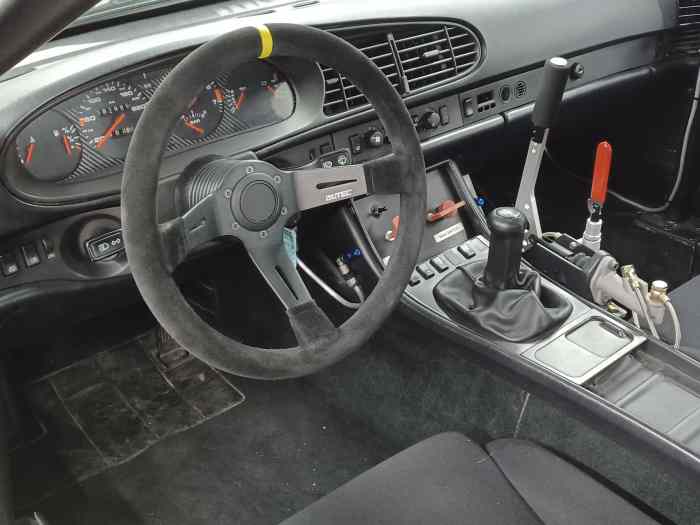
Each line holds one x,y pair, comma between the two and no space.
256,202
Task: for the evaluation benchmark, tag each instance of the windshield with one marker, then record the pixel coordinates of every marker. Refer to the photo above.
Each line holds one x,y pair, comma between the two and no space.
110,9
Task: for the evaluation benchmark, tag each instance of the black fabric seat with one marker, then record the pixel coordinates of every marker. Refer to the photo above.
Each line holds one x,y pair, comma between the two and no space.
686,301
448,479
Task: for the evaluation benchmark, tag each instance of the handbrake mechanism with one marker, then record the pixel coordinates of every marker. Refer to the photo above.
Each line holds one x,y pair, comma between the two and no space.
580,264
556,73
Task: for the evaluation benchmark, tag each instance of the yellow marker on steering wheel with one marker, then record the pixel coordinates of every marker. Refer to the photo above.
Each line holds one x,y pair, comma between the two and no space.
265,41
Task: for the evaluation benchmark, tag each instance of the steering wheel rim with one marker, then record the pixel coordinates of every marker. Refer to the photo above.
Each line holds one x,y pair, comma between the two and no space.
320,344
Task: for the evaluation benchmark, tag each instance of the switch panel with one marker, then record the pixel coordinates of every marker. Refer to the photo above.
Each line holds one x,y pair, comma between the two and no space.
105,245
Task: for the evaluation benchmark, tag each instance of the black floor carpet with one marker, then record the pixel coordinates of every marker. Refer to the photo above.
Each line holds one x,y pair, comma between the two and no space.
292,442
107,409
280,450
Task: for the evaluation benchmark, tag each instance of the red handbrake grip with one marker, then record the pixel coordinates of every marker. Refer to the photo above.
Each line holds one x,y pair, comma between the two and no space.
601,173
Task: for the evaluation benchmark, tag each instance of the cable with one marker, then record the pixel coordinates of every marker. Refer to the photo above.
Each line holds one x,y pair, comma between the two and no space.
681,164
635,319
326,288
645,310
676,324
360,294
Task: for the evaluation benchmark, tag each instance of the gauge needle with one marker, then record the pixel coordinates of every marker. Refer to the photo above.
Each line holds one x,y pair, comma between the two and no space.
238,103
271,89
66,144
194,127
110,131
218,95
30,153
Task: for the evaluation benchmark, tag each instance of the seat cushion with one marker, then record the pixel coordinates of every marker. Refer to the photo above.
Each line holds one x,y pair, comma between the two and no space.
686,301
557,491
444,480
448,479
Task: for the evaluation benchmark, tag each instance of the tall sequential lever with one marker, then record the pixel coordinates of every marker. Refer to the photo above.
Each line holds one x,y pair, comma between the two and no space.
556,74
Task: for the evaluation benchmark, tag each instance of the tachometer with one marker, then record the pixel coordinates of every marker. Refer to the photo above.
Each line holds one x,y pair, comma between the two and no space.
204,115
107,116
261,95
49,148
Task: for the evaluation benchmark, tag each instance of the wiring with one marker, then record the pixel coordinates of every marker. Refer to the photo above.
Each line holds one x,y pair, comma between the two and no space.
645,310
330,291
676,324
679,173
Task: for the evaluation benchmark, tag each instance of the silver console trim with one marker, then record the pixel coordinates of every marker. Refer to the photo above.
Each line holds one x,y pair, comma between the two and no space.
635,342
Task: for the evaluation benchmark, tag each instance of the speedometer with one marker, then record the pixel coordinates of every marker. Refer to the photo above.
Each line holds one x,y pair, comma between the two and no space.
107,116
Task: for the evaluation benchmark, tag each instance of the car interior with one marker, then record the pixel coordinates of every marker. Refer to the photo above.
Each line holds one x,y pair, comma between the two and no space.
333,262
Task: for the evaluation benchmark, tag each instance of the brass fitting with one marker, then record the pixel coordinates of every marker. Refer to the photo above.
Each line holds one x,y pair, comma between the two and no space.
659,292
629,274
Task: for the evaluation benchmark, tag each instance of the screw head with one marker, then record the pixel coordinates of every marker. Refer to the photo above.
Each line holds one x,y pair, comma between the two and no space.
249,169
277,179
263,234
284,210
235,226
228,193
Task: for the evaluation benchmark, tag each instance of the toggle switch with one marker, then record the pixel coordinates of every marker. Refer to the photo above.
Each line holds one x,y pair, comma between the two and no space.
391,234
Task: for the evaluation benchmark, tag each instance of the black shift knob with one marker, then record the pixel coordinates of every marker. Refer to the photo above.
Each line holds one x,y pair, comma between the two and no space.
505,248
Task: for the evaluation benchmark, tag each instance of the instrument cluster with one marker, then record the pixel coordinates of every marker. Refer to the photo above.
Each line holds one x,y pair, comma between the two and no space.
90,133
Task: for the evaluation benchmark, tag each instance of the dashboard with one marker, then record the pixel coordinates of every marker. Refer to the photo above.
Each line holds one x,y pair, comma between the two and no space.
70,109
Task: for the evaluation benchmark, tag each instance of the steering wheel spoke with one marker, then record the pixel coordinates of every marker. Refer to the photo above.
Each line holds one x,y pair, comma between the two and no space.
318,187
311,326
387,175
274,263
200,225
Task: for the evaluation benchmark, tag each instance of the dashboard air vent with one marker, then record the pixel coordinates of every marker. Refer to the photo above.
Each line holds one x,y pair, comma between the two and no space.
412,57
686,40
437,54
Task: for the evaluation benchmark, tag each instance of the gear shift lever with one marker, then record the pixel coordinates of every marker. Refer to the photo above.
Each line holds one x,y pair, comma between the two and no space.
505,249
497,295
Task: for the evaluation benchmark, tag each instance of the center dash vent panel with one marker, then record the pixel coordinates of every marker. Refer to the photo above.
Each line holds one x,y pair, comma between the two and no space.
686,38
412,57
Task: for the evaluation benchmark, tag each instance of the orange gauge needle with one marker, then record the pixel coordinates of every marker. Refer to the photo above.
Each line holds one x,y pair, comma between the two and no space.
218,95
30,153
110,131
238,103
66,144
194,127
271,89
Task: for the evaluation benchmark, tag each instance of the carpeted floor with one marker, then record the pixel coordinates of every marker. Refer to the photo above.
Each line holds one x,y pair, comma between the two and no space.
291,442
258,463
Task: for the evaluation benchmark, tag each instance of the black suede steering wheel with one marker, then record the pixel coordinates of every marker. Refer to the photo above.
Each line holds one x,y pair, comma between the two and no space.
253,200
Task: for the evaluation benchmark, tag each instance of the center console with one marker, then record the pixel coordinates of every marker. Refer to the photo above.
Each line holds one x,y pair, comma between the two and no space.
531,314
576,341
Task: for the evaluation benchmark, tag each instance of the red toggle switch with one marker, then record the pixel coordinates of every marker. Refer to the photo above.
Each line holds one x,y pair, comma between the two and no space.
391,234
601,173
447,209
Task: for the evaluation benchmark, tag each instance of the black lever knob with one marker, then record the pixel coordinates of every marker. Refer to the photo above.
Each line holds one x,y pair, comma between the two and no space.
556,74
429,120
505,247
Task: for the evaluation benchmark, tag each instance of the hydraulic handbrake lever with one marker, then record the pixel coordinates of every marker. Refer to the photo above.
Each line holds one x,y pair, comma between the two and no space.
556,74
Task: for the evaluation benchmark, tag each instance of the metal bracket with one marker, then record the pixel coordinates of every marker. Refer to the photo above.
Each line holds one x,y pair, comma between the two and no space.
526,201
